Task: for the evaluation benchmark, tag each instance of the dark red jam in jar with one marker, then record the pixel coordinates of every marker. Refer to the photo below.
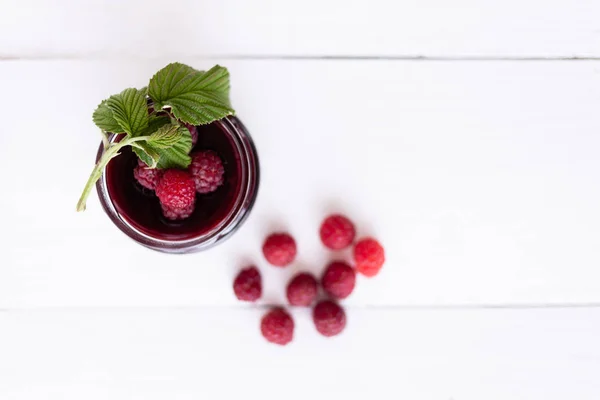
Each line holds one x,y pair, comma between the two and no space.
137,212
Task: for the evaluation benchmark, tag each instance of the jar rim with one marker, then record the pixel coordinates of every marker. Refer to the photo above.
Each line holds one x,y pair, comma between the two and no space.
238,212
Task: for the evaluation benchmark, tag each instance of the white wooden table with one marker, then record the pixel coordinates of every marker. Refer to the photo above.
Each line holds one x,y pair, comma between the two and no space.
464,134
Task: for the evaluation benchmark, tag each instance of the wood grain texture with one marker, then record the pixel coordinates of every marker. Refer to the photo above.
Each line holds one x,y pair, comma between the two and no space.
481,179
431,28
155,354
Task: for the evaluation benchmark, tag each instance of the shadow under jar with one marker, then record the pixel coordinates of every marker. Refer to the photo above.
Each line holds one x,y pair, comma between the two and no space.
136,211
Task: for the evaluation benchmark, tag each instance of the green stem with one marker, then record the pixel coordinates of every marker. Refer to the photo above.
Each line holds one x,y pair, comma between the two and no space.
105,141
109,153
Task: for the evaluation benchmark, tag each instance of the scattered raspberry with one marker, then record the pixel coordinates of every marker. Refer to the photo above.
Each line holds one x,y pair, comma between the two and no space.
279,249
329,318
194,132
147,177
207,170
277,327
302,290
247,285
337,232
339,279
177,194
369,256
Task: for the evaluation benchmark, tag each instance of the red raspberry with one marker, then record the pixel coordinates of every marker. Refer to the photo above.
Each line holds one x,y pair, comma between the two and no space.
337,232
329,318
302,290
277,327
193,132
147,177
369,256
279,249
339,280
247,285
207,170
175,214
177,194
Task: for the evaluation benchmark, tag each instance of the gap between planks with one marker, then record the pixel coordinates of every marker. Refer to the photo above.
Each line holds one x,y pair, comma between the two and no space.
291,57
424,307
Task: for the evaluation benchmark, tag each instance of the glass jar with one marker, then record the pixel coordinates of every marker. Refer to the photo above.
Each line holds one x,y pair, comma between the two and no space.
136,211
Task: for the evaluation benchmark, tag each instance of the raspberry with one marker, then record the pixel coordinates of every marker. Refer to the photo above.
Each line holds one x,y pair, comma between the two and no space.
279,249
147,177
339,280
247,285
177,194
177,213
277,327
337,232
302,290
369,256
194,132
207,170
329,318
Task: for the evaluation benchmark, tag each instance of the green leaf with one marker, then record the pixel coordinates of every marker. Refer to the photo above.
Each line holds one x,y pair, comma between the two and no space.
166,136
145,152
177,154
194,97
170,80
167,147
104,119
148,155
155,122
130,110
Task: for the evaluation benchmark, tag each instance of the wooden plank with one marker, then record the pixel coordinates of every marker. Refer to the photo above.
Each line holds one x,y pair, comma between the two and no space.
151,28
481,179
384,354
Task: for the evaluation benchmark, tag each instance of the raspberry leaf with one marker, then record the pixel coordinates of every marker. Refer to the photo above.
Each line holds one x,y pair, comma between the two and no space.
148,155
104,119
167,147
166,136
190,96
130,110
170,80
195,97
173,146
154,123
